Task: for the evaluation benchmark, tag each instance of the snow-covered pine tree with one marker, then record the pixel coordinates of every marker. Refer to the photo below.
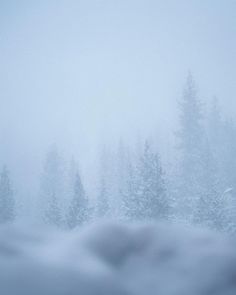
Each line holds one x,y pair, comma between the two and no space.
78,212
103,206
103,199
51,188
150,192
191,137
215,127
210,208
215,134
7,203
52,213
130,202
229,171
121,177
212,204
228,154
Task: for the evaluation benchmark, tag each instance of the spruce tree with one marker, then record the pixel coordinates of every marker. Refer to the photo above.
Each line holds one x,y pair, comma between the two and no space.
212,202
191,136
103,199
52,188
78,209
105,185
215,126
122,175
130,201
7,203
229,172
228,154
52,215
210,208
151,193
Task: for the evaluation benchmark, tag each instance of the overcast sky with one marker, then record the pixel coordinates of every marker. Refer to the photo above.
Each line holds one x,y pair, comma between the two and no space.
81,72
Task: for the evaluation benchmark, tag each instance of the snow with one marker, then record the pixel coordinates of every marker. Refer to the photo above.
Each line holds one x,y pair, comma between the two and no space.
228,190
111,258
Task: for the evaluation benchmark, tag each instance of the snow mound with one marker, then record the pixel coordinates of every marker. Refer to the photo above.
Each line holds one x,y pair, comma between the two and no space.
115,259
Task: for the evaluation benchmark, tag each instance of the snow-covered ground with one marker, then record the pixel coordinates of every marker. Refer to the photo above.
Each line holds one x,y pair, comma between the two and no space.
113,259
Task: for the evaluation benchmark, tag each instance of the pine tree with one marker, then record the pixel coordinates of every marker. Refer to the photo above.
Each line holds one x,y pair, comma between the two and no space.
151,194
215,132
7,203
103,197
191,137
78,209
130,201
51,188
210,209
212,205
228,154
53,214
121,176
215,126
229,172
105,186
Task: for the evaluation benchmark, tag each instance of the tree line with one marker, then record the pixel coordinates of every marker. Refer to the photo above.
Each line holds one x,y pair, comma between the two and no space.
197,187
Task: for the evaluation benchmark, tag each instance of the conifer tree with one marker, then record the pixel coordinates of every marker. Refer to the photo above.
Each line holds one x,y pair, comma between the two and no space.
210,208
53,213
229,172
78,209
215,125
7,203
104,190
103,199
51,188
130,202
122,171
191,137
151,193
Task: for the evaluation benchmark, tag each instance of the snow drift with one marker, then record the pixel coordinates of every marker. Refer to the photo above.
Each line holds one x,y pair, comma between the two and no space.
113,259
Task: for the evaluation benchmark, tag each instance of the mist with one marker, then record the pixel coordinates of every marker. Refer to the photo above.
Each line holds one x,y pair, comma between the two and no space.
71,70
117,146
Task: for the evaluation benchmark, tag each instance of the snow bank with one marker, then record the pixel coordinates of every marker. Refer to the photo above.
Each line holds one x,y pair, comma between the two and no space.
110,259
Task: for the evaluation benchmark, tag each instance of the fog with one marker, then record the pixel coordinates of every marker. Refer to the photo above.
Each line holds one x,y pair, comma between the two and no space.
81,73
117,147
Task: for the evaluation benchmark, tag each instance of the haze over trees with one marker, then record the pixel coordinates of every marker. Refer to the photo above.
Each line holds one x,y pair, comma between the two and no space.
133,183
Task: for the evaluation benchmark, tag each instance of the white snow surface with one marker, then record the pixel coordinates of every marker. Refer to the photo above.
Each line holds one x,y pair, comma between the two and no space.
116,259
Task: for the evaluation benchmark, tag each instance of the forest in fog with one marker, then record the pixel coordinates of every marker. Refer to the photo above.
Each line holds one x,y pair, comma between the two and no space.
132,182
117,147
